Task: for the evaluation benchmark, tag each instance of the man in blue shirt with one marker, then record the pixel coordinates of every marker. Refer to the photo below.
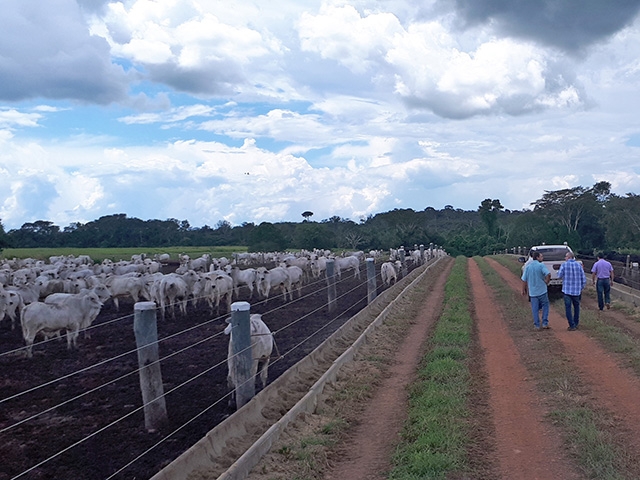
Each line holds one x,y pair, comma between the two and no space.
535,279
573,281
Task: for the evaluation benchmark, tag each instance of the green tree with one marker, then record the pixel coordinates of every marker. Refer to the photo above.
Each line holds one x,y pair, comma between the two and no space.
4,239
313,235
266,237
622,220
489,210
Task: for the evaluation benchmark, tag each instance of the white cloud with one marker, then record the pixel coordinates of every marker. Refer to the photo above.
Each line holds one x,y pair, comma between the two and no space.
14,118
256,112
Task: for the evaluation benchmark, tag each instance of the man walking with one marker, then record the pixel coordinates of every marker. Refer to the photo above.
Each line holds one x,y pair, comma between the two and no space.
535,279
573,282
602,275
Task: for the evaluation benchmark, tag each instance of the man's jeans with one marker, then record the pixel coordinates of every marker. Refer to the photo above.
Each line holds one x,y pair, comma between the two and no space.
573,317
603,287
537,303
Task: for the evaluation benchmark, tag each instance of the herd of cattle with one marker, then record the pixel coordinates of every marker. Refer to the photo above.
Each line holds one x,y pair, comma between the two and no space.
66,294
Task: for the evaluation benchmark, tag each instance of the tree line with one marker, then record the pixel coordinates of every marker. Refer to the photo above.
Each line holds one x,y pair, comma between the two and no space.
587,218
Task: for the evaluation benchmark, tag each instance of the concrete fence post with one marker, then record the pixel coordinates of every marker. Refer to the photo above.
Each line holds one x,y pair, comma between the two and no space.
331,284
371,280
403,261
241,357
145,328
422,259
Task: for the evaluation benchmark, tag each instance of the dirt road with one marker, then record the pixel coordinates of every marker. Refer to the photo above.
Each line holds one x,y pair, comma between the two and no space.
527,384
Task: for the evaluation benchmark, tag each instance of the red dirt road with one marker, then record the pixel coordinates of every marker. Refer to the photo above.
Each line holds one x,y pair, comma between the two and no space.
526,447
614,387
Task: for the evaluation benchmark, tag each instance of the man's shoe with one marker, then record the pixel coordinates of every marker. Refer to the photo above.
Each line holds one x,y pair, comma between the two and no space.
571,329
608,306
546,327
537,329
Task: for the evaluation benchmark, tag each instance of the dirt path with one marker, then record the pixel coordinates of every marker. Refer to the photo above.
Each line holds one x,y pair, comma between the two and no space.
611,386
367,453
525,446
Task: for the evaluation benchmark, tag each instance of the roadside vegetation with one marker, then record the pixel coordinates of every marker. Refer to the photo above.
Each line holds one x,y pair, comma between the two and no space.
434,439
588,432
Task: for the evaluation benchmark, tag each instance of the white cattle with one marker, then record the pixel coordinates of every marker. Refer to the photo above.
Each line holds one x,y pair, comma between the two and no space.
39,317
200,264
261,347
296,277
101,291
138,258
277,277
346,263
127,286
301,262
416,257
388,273
152,266
246,276
222,289
46,286
28,293
318,266
162,257
168,290
10,306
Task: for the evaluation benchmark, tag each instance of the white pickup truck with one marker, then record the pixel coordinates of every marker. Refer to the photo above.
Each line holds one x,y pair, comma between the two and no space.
553,257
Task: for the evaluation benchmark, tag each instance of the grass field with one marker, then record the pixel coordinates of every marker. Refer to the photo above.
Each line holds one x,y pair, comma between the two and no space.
116,254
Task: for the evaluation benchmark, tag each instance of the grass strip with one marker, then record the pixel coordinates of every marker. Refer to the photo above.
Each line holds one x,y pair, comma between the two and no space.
434,438
585,429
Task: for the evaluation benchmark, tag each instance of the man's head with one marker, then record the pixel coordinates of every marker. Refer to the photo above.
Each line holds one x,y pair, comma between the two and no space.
569,256
537,256
600,255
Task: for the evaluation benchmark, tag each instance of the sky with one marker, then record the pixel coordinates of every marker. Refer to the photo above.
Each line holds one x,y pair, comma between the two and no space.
252,111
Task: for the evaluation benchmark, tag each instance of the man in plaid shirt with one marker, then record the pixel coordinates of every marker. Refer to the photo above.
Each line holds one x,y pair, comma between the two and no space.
573,281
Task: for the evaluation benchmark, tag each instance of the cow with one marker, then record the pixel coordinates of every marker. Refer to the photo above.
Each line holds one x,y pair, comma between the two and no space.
277,277
296,277
261,347
127,286
169,289
318,266
346,263
240,277
71,315
388,273
11,305
222,289
102,291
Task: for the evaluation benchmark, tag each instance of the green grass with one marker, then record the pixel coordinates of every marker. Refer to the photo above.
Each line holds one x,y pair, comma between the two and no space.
434,439
116,254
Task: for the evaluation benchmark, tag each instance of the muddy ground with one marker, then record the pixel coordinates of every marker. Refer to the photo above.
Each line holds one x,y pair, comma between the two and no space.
107,423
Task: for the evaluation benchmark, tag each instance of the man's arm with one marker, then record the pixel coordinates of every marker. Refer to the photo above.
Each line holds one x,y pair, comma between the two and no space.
547,279
524,287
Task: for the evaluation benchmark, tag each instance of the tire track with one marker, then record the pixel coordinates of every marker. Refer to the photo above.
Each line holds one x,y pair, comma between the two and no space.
611,386
526,446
